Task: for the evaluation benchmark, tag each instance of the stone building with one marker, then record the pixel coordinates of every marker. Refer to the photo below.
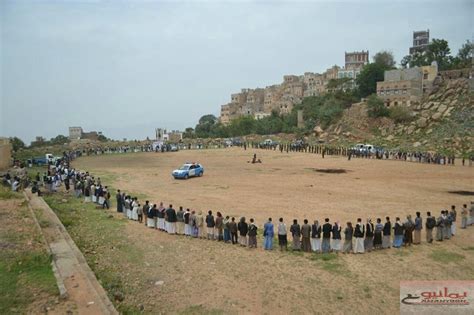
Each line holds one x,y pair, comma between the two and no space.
75,133
406,86
356,59
421,40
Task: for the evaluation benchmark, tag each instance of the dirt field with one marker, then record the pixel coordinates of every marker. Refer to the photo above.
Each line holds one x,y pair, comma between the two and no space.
203,276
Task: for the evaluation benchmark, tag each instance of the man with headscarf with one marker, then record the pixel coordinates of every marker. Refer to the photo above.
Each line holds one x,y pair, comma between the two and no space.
306,236
453,215
187,225
316,237
200,225
440,227
398,233
233,230
409,226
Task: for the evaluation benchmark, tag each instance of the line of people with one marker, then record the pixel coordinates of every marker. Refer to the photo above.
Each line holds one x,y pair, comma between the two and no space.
321,238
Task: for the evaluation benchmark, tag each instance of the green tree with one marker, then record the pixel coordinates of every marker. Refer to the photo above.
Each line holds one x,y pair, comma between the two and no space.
203,128
385,58
439,51
189,133
368,78
17,143
464,57
376,107
59,139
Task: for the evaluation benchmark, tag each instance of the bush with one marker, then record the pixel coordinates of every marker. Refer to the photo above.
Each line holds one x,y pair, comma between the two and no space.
376,107
400,114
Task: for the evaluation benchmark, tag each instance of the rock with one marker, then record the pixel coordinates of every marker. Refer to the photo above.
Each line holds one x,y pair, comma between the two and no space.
410,129
390,138
429,131
436,116
318,129
160,282
442,108
427,105
448,112
347,134
90,303
118,296
63,200
323,135
141,307
416,144
422,122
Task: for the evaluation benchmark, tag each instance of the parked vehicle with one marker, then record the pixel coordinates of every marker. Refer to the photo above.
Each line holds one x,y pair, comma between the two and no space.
188,170
47,159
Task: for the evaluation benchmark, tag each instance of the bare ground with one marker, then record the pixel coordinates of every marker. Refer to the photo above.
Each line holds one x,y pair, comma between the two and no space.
202,276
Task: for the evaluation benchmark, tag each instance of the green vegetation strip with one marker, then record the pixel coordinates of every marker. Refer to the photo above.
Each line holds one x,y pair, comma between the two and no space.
100,237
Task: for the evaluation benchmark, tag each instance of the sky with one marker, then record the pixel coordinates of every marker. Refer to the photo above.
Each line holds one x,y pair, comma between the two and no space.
128,67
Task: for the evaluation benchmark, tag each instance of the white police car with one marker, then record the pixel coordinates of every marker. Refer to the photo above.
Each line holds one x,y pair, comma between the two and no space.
188,170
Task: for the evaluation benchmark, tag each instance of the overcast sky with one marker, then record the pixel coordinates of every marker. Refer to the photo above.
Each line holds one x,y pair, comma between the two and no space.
126,67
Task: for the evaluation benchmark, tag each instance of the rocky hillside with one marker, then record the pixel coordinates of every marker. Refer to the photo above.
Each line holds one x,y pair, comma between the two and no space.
442,120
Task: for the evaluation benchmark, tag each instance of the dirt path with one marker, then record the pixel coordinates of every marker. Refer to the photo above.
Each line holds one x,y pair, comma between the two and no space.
79,281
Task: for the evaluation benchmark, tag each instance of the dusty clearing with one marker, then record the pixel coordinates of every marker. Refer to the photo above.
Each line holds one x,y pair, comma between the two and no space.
202,276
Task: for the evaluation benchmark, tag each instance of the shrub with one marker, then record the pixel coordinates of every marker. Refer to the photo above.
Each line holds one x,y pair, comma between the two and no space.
376,107
400,114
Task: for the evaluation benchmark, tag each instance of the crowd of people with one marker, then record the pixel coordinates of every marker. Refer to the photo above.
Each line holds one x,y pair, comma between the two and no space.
376,153
317,237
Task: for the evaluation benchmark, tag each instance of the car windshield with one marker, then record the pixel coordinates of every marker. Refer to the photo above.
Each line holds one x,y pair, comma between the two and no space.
184,168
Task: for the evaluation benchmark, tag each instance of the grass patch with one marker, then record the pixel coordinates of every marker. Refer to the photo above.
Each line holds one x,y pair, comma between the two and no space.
25,271
7,193
330,262
444,256
468,248
100,238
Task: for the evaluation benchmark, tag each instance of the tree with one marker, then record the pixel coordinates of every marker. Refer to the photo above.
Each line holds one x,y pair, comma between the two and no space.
17,143
59,139
376,107
385,58
464,57
203,128
368,78
439,51
189,133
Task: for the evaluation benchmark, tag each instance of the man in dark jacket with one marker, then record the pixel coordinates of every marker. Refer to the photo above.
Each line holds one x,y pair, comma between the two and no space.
233,231
171,220
326,244
210,223
243,230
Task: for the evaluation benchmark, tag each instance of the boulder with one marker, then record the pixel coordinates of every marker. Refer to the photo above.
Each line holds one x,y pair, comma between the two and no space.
436,116
427,105
422,122
416,144
390,138
442,108
410,129
448,112
318,129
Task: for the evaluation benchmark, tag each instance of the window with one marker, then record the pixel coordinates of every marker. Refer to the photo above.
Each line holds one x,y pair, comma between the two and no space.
425,76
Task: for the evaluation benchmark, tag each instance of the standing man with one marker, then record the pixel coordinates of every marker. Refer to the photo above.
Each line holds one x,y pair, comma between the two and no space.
430,224
316,237
252,234
171,218
326,244
464,214
187,222
440,227
453,215
210,223
387,231
369,236
243,228
296,234
268,234
180,221
282,235
336,237
418,228
118,197
233,231
359,237
306,236
409,226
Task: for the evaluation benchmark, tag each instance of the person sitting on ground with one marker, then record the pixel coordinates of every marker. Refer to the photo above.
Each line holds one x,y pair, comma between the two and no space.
255,160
